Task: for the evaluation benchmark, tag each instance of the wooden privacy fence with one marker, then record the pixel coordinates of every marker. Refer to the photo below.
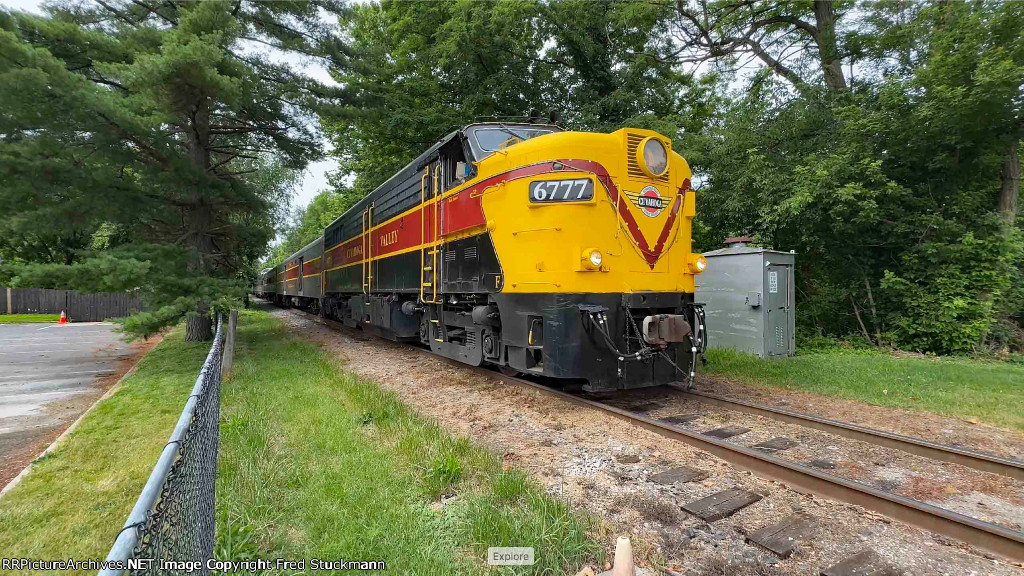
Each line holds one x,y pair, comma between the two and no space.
79,306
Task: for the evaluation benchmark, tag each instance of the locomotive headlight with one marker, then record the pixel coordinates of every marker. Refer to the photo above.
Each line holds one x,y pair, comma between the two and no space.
591,259
697,263
653,157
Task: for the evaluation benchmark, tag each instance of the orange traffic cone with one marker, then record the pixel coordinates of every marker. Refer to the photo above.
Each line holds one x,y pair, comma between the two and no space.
63,318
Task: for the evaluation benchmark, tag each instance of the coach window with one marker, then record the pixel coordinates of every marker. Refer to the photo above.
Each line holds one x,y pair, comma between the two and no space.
298,283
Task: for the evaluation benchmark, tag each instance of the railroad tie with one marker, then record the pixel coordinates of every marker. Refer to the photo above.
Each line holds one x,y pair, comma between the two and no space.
782,538
681,474
866,563
721,504
776,444
726,432
643,407
680,419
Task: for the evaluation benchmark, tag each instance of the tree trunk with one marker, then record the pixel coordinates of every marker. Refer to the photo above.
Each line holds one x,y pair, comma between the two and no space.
1009,189
874,311
199,327
828,51
199,217
860,322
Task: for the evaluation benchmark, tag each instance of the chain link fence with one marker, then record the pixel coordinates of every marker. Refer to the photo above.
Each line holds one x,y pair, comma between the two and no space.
171,527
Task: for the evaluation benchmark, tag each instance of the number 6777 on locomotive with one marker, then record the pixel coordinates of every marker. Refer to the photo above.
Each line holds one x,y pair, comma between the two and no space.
559,254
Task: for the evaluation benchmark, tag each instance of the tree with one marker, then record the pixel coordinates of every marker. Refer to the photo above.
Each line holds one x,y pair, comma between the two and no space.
971,56
416,70
174,126
893,189
798,41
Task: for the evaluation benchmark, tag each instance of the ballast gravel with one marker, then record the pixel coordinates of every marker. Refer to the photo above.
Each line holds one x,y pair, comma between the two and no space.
602,465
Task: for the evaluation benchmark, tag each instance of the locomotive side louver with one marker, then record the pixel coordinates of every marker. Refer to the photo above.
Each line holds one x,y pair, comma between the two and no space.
632,168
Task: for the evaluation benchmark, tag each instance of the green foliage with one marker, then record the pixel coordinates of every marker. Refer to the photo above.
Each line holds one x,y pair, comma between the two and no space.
957,387
889,191
28,318
444,472
164,154
511,485
417,70
948,294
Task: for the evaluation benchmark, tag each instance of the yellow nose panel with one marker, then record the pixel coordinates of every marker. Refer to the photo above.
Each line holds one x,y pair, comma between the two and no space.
649,213
639,224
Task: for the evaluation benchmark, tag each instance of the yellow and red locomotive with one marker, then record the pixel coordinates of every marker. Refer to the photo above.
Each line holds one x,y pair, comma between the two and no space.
560,254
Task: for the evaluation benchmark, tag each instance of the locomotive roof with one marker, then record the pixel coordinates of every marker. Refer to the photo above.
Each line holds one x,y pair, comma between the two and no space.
295,254
396,177
418,162
319,239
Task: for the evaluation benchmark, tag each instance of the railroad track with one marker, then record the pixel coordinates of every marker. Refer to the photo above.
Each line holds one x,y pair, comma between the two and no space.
980,534
920,447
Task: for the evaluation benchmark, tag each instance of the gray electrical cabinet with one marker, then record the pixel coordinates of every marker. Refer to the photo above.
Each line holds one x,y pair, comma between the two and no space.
748,296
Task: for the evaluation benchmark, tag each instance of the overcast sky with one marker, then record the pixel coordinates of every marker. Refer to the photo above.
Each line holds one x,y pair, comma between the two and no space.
315,177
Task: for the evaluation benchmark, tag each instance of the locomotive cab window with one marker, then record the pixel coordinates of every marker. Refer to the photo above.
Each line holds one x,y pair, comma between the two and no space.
485,139
451,166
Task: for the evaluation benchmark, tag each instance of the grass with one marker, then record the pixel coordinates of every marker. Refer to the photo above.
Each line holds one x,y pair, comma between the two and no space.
28,318
985,391
313,463
76,498
316,463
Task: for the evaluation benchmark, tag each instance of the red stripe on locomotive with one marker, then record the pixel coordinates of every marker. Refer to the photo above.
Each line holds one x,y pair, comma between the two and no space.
310,268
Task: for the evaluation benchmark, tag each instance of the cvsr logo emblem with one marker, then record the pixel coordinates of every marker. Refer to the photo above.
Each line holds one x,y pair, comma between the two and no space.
649,202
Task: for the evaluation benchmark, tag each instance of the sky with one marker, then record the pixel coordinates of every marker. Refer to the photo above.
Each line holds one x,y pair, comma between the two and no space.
314,179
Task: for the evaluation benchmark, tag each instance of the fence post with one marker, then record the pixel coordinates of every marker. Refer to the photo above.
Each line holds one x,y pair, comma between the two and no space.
9,300
229,345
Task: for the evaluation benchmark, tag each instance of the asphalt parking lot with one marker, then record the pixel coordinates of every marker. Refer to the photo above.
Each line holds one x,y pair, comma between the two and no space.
49,375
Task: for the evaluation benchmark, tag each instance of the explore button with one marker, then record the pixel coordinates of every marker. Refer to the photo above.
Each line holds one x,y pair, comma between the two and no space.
510,556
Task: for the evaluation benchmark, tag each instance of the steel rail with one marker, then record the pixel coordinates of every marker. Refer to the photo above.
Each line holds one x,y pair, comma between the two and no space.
984,535
987,536
918,446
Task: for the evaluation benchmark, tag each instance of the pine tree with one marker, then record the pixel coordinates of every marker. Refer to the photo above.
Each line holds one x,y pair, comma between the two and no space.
163,119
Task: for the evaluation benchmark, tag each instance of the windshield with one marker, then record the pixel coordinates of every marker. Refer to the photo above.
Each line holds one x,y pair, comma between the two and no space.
492,137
